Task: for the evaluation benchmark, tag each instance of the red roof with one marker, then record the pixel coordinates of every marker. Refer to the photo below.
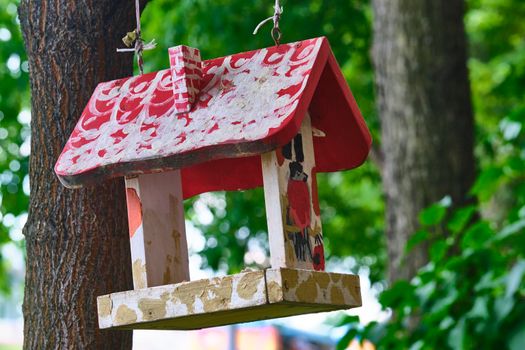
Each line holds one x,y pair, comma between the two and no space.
249,103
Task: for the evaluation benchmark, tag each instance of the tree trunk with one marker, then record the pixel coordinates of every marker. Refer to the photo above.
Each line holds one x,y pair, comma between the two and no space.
77,241
426,115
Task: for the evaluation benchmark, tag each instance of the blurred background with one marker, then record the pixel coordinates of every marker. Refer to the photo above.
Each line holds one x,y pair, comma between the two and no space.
473,298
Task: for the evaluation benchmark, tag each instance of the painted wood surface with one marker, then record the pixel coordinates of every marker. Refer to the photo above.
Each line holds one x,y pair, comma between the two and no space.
186,76
243,98
243,297
292,205
249,103
313,287
159,250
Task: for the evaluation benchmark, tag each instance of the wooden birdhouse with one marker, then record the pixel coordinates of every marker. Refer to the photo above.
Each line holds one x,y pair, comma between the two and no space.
273,117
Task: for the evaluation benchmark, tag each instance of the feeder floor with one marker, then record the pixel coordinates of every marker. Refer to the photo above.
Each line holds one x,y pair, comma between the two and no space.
243,297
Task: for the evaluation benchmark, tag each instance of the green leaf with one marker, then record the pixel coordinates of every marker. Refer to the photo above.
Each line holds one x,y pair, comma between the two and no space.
477,236
487,183
418,345
456,337
345,320
438,250
461,218
480,308
515,278
346,339
503,306
432,215
400,294
512,229
417,238
517,339
446,323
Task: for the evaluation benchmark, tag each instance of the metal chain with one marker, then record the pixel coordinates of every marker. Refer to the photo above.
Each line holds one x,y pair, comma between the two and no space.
135,37
276,31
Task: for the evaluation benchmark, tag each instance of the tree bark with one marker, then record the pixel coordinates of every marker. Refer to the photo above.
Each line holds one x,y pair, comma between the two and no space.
424,103
77,241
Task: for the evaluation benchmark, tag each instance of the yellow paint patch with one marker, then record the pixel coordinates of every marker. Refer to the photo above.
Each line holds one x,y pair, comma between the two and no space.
167,277
336,296
187,294
139,274
176,239
351,283
291,277
323,280
104,306
247,286
152,309
336,277
217,296
125,315
307,291
275,292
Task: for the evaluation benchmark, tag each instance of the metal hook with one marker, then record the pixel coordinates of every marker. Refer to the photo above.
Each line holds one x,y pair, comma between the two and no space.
275,32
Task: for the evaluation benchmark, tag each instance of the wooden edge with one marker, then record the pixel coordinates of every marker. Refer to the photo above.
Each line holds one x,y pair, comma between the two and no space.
243,297
313,287
158,164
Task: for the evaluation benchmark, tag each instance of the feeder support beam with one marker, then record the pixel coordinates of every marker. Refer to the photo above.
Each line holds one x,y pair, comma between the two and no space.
292,206
159,250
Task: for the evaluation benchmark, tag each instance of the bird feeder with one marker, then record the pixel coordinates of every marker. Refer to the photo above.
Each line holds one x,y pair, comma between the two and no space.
273,117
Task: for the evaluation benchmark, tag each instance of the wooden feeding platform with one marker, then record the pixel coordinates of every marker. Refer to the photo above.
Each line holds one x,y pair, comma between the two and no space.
271,118
243,297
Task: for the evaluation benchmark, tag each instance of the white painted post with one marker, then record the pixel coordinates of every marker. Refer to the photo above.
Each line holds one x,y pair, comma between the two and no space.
159,251
292,208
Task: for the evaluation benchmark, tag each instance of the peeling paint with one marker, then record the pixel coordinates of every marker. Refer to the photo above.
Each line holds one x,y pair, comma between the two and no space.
292,277
323,280
274,291
166,278
125,315
307,291
336,278
217,295
336,295
247,286
139,274
152,309
104,306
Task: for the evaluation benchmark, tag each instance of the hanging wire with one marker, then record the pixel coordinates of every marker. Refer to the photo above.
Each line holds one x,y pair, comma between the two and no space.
134,37
275,32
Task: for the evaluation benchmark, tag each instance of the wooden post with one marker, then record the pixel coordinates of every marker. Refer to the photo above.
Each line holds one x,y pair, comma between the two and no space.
292,206
159,251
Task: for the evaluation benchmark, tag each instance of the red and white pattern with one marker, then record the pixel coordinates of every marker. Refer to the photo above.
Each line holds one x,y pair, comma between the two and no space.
243,97
186,75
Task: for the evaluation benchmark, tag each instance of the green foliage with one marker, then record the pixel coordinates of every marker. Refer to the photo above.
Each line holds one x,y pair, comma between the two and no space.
14,131
471,295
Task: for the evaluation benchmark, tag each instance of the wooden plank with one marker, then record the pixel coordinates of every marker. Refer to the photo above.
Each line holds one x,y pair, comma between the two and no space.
292,206
243,297
159,251
204,296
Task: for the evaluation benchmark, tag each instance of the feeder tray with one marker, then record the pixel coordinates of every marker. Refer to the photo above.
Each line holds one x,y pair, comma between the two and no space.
243,297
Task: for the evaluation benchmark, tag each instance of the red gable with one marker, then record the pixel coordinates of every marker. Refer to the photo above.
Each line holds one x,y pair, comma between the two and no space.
249,103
